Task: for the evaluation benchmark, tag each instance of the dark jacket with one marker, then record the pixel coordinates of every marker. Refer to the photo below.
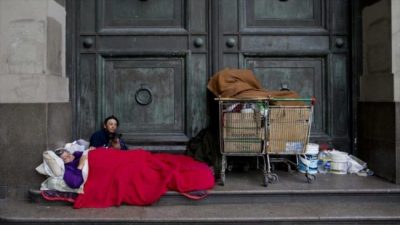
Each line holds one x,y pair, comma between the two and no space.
101,139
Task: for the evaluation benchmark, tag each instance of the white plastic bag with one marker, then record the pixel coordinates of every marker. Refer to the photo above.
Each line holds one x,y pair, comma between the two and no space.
355,164
78,145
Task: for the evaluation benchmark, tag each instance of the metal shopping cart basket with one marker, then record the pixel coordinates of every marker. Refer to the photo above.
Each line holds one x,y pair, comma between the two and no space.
242,130
288,132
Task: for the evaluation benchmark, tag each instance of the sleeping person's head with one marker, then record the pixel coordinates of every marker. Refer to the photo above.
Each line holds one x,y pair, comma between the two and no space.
111,124
65,155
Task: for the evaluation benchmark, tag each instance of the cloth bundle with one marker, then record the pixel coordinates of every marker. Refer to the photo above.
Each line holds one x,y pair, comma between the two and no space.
242,84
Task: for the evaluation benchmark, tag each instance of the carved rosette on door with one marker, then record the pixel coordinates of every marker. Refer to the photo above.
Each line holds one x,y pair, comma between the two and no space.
143,96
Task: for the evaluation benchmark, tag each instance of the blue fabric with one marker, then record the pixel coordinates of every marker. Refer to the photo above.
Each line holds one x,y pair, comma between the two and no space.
100,139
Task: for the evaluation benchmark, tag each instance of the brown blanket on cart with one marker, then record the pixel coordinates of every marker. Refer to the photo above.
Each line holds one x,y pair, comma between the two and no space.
241,84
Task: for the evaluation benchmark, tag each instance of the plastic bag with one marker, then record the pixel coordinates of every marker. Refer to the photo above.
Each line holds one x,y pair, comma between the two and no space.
355,164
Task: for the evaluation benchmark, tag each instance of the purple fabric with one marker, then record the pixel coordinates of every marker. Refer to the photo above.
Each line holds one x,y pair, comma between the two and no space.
72,175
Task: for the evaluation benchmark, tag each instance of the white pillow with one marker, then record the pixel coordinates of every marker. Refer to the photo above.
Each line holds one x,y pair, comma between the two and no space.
58,184
52,165
40,169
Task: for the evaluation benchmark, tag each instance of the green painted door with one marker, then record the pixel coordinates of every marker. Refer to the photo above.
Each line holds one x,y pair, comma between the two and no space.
148,62
145,62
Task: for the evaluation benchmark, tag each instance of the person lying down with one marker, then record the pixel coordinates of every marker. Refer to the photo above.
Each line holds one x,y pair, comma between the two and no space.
135,177
73,164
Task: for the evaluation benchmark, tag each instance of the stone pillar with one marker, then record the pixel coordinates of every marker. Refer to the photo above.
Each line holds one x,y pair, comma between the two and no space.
396,76
396,48
32,52
34,89
379,90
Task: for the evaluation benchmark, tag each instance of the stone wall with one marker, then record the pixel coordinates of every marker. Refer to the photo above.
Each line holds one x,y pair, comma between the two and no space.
378,110
32,52
395,8
34,90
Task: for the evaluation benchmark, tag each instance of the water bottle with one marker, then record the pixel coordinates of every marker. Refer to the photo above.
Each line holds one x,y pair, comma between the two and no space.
324,166
321,166
327,166
322,162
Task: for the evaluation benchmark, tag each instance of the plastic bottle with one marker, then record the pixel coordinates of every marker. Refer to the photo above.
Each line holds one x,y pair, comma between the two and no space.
324,166
321,166
327,166
322,160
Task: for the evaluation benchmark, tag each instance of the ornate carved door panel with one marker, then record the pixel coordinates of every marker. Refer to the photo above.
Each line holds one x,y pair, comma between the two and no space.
146,63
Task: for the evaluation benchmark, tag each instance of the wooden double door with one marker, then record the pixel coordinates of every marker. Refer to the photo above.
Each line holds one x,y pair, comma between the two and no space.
148,62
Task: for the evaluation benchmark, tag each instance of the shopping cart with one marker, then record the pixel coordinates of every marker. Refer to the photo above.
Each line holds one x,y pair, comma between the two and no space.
243,130
288,132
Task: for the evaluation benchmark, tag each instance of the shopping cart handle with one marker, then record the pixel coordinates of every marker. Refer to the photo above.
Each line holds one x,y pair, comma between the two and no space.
312,100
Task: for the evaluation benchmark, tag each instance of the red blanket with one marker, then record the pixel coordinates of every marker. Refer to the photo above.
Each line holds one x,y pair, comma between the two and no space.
139,177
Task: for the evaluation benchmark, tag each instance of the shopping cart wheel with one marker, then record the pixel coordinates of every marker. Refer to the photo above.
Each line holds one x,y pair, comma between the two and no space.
230,167
222,181
272,167
310,178
289,168
265,181
273,178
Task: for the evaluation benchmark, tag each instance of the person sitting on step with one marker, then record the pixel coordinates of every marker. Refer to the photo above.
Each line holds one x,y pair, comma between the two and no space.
108,136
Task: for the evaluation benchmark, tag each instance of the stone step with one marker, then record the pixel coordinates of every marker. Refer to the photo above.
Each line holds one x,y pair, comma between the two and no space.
218,197
285,211
246,187
331,199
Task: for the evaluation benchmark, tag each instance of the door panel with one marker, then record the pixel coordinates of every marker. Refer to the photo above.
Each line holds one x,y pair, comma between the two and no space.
148,43
272,13
284,44
340,95
148,62
283,16
145,62
132,14
306,76
86,96
148,93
